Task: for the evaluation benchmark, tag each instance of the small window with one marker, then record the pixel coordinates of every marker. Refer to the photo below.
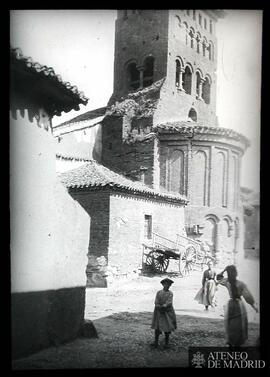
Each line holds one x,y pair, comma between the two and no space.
192,115
148,226
205,23
188,12
200,19
194,14
211,26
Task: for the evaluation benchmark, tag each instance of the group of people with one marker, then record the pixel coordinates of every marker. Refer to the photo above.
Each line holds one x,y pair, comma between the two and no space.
235,316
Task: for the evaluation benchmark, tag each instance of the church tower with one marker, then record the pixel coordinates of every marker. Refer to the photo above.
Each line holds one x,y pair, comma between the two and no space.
161,125
177,44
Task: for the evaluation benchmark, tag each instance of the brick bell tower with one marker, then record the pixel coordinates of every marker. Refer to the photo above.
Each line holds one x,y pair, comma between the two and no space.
161,125
179,45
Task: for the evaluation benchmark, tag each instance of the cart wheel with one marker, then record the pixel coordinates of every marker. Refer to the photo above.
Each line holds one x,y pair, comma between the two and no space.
157,261
187,260
149,261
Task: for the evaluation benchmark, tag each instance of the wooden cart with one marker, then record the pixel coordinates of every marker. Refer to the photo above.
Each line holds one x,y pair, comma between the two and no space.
188,252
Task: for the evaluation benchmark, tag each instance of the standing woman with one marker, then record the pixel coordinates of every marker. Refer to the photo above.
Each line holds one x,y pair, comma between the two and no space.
164,318
236,321
206,295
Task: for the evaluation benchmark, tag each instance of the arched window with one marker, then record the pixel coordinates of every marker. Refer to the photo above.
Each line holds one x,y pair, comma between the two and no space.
148,73
187,79
211,50
198,41
206,90
194,14
191,36
133,76
210,231
192,115
177,72
198,85
186,32
178,21
204,46
211,26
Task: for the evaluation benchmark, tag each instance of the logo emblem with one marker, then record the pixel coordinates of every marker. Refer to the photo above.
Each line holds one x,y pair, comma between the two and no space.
198,359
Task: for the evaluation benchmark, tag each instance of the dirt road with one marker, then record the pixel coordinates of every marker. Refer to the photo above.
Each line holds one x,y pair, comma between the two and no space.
122,316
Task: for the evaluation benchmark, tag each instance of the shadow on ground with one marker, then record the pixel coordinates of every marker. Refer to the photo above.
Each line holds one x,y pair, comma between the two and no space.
125,342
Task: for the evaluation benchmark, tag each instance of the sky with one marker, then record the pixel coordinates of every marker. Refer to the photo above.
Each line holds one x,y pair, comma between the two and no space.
79,45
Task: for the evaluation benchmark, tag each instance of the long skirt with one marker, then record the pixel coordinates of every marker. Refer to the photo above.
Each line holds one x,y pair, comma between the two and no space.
206,295
164,321
236,322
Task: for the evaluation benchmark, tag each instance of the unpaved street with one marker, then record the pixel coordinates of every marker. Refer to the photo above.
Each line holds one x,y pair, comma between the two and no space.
122,316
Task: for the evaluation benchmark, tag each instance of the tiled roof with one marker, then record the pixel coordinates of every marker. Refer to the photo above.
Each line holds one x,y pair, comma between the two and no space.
40,70
95,176
193,128
89,115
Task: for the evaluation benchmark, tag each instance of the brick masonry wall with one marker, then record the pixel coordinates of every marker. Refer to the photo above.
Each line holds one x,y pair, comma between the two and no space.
117,232
134,159
214,225
211,172
211,183
136,37
176,103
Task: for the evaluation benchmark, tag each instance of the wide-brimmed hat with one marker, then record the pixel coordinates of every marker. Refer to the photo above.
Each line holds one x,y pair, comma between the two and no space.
167,280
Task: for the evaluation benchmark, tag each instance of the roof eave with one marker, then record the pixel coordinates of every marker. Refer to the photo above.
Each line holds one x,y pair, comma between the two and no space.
110,187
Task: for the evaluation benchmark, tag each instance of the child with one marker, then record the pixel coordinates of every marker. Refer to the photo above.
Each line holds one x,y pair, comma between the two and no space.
164,318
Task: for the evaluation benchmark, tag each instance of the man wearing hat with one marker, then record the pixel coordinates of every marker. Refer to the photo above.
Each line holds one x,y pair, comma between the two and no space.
164,318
